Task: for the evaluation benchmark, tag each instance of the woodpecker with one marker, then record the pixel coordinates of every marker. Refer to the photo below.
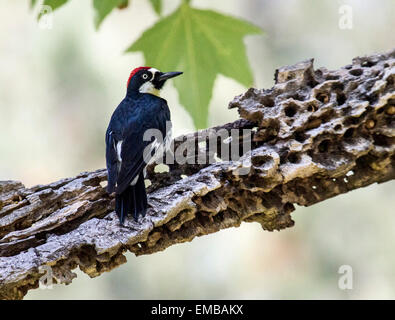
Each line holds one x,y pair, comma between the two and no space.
126,156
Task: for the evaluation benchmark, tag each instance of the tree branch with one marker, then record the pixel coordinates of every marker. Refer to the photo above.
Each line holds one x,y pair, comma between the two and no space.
315,134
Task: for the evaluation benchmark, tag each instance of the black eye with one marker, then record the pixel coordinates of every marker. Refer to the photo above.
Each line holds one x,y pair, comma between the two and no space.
145,76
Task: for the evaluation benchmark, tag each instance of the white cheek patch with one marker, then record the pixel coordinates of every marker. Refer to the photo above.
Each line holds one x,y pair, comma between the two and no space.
148,87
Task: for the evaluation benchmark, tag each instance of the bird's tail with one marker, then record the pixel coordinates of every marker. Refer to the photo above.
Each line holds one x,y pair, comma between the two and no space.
132,200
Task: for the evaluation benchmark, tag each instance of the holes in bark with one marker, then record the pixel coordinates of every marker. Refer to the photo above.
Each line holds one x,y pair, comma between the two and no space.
332,77
312,106
381,140
349,133
260,161
313,123
324,145
294,157
355,72
267,101
16,198
340,98
352,121
300,136
338,86
338,127
322,97
290,110
298,97
268,132
373,98
368,64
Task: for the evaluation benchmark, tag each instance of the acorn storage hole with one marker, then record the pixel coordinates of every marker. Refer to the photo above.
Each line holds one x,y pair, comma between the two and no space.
340,98
322,97
355,72
381,140
311,107
352,120
290,110
368,64
349,133
260,161
324,145
267,101
300,136
294,157
298,97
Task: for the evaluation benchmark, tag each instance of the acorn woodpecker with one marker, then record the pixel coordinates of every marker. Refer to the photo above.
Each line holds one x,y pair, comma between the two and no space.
126,151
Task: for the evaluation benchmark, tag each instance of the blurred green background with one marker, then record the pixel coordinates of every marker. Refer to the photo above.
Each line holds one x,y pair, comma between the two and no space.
59,86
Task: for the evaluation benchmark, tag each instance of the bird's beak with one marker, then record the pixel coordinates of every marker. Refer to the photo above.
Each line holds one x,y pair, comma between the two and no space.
168,75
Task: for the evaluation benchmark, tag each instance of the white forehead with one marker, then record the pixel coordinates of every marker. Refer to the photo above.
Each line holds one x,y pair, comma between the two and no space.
153,70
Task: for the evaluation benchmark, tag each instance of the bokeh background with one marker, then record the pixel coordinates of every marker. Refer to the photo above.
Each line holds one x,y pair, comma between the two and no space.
58,88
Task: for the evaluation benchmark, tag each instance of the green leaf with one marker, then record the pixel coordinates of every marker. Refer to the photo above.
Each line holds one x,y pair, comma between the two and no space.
104,7
202,43
157,5
54,4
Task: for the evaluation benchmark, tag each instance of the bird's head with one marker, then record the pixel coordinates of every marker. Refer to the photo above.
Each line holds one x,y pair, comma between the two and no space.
148,80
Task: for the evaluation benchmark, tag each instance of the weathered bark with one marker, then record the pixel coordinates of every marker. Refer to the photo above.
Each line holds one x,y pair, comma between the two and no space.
316,134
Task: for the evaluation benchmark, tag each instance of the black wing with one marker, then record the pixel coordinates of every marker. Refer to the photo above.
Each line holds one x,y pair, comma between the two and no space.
153,115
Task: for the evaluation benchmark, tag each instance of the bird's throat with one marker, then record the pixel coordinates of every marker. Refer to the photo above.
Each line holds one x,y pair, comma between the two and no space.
148,87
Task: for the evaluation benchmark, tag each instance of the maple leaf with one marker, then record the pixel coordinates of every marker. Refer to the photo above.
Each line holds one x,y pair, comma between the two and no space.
202,44
157,5
104,7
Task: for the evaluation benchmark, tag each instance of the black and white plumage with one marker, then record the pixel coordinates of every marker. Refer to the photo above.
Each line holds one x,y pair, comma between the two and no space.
127,154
